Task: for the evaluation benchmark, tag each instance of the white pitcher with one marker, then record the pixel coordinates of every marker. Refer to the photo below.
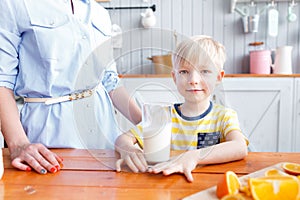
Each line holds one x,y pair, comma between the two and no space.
283,60
148,18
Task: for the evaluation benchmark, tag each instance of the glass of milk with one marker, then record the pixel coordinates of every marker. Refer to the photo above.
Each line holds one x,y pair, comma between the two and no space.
156,125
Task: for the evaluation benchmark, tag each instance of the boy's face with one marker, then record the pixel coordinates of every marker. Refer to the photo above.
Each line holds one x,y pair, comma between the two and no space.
196,83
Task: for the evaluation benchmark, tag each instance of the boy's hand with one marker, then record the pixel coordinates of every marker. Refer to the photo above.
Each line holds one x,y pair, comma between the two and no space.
184,163
133,158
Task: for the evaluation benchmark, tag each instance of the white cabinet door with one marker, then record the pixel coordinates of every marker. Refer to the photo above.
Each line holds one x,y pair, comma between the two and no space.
296,135
264,107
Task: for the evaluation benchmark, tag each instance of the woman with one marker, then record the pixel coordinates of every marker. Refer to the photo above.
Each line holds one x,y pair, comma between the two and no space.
46,57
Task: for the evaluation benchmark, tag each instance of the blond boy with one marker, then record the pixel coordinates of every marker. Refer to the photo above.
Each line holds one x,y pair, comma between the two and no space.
209,132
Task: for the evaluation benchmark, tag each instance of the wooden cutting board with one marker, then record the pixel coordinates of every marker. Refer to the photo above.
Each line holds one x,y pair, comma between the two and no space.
210,193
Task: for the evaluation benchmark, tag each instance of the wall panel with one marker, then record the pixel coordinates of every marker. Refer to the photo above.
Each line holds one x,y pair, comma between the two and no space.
191,17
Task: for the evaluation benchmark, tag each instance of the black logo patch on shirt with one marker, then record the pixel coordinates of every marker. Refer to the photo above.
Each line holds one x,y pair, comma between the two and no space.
208,139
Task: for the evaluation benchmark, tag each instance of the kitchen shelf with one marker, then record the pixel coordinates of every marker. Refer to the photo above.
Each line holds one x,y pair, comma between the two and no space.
234,2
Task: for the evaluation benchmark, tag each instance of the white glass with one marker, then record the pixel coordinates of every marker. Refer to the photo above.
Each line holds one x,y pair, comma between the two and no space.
157,127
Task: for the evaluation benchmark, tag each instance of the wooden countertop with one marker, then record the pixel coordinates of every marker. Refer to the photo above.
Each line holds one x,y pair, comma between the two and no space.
90,175
226,75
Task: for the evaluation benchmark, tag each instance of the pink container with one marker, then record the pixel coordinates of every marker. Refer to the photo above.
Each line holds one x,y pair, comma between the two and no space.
260,62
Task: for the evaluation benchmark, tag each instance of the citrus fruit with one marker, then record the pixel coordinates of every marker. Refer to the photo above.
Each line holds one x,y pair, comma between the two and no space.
291,168
275,172
275,188
229,184
245,190
233,197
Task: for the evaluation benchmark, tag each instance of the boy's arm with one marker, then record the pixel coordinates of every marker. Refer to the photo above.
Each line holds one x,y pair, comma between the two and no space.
130,153
234,148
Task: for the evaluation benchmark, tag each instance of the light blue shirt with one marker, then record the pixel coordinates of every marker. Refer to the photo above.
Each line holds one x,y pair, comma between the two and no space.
46,51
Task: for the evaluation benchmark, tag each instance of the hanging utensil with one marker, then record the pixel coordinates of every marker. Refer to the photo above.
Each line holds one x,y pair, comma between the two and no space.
273,16
292,16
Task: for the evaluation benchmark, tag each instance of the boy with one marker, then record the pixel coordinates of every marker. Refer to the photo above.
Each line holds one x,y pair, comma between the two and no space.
210,132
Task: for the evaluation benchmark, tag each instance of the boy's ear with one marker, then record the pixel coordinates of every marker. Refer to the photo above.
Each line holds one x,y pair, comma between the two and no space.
220,76
173,76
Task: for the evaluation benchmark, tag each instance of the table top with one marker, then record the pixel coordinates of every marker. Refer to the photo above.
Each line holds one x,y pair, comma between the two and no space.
90,174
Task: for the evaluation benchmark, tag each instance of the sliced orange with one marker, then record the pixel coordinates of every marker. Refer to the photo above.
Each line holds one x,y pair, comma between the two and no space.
233,197
291,168
229,184
275,172
245,190
275,188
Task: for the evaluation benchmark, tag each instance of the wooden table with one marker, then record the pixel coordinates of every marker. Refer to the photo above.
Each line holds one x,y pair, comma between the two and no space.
90,175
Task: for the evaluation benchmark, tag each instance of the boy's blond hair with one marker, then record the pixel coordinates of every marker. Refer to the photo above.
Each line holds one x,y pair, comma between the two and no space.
200,50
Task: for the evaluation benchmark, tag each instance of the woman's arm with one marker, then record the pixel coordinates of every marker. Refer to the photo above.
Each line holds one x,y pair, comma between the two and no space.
126,104
24,155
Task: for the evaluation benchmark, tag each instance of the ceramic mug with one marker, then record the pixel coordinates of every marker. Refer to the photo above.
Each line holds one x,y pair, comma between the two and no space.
260,62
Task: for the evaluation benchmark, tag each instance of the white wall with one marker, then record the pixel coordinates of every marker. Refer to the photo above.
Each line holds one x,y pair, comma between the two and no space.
190,17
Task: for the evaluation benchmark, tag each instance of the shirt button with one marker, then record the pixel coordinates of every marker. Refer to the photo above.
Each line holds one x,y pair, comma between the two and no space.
51,23
84,37
92,130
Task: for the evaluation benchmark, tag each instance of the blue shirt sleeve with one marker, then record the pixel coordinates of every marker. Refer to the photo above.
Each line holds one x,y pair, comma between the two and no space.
110,80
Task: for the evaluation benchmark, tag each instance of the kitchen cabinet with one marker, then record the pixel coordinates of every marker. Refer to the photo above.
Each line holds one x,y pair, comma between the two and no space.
296,135
264,106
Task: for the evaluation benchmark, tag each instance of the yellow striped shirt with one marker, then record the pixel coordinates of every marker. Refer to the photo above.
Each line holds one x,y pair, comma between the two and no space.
207,129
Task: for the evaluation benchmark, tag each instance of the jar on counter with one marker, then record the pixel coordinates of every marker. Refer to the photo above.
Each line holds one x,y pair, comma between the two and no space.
260,59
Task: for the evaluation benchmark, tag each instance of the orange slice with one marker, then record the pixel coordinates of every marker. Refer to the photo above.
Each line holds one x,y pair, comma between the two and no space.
275,188
275,172
291,168
245,190
228,185
233,197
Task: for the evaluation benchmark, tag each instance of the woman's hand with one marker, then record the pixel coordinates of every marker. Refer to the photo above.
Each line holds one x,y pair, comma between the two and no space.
185,163
35,156
133,157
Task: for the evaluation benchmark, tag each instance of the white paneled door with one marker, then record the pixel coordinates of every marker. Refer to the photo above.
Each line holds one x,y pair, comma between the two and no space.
264,107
